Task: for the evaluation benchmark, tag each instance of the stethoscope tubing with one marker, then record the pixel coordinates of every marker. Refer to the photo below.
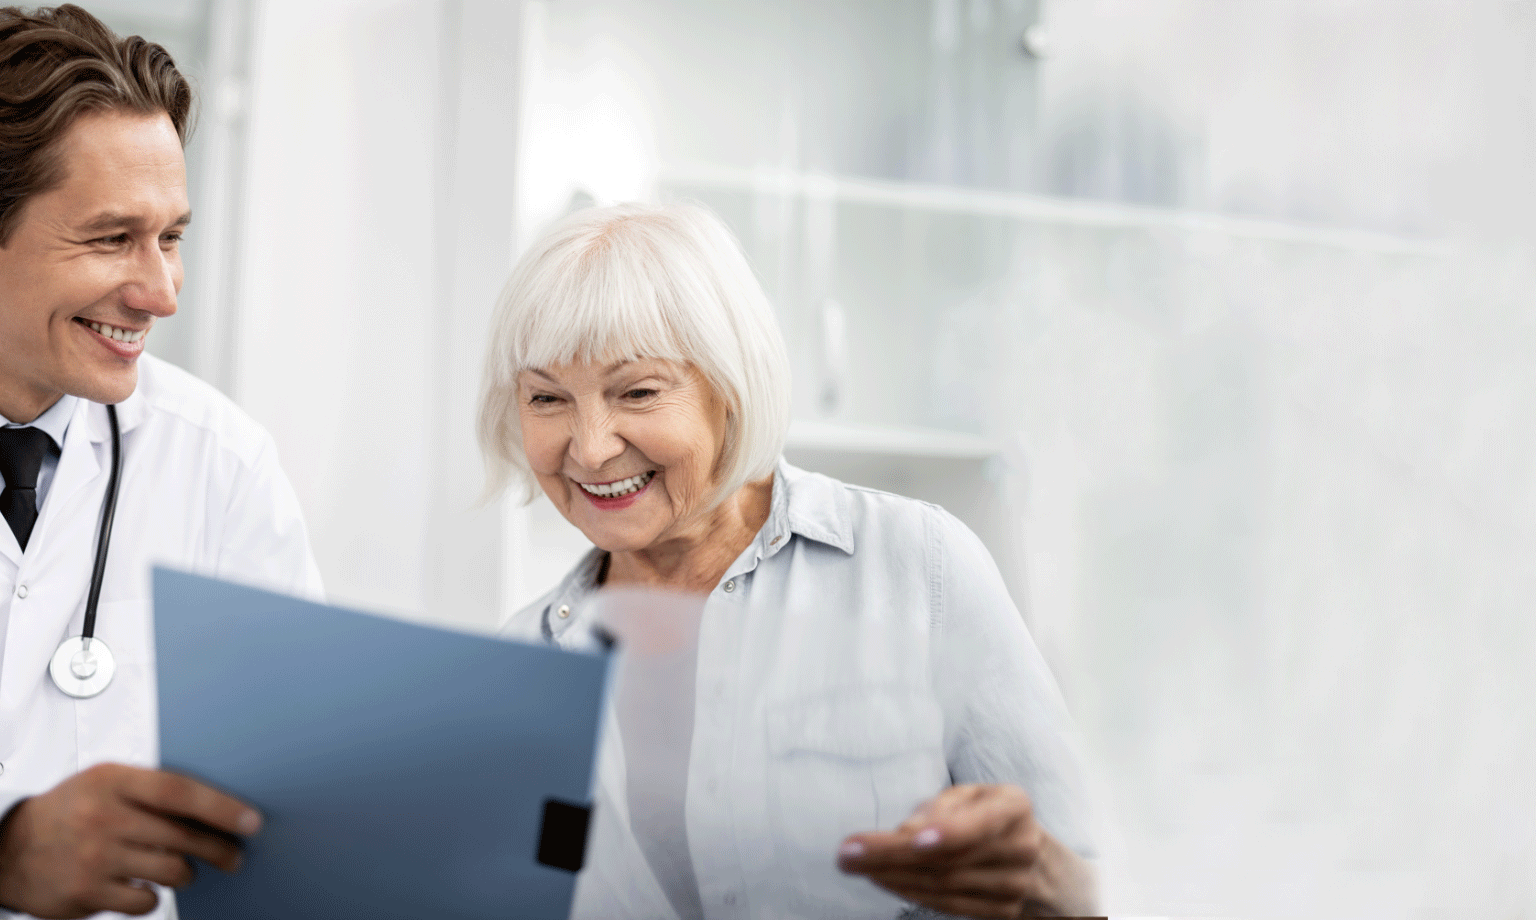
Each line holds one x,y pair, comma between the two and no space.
108,511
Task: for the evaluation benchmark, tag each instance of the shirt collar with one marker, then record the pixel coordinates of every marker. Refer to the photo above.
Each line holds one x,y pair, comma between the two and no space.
807,505
812,506
54,422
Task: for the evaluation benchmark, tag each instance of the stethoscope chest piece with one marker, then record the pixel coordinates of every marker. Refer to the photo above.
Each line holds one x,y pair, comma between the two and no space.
82,667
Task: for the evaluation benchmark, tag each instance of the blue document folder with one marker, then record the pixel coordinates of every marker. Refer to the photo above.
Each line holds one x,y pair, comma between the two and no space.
403,771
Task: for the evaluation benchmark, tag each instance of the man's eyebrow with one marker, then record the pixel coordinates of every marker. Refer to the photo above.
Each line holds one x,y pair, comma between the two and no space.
112,220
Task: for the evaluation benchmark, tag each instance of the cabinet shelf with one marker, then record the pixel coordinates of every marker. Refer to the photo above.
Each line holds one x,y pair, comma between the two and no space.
1042,209
930,443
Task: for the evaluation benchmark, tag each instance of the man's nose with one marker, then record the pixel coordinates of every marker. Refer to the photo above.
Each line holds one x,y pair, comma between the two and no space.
155,281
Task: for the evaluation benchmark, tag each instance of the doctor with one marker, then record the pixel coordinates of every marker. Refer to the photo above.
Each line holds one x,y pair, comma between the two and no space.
93,205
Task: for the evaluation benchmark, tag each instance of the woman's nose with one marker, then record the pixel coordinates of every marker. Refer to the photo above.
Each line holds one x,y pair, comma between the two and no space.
595,442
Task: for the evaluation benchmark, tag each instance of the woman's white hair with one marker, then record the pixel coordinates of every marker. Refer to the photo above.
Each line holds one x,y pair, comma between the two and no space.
639,281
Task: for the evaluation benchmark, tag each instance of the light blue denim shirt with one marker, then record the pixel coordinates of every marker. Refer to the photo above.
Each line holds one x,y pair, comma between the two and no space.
861,655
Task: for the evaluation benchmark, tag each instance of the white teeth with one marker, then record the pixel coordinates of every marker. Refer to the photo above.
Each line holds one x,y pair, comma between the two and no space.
116,334
616,489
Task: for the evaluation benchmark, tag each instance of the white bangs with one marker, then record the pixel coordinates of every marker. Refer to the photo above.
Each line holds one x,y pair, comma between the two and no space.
606,305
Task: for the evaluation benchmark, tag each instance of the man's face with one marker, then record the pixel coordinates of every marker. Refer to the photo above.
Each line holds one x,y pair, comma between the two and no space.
92,264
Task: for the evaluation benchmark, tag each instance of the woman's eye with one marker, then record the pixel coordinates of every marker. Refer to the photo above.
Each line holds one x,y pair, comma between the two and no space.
639,393
541,399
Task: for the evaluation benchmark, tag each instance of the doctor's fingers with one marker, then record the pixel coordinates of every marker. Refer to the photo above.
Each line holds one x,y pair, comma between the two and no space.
158,866
122,895
147,830
174,794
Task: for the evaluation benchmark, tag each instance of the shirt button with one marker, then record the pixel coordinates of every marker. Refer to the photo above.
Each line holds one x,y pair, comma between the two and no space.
730,586
565,611
775,541
21,591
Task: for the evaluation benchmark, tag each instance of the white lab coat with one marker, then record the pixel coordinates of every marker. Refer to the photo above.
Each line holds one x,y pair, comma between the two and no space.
201,490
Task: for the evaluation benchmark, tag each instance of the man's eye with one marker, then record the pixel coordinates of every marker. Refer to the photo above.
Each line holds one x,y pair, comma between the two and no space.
116,239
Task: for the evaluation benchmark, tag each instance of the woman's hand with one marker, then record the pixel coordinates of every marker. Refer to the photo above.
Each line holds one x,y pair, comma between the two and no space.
976,851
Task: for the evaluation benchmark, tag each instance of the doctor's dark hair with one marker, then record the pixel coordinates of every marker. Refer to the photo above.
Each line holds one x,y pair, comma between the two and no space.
57,63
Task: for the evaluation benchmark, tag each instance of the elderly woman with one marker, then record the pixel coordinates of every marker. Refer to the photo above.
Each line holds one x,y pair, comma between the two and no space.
870,726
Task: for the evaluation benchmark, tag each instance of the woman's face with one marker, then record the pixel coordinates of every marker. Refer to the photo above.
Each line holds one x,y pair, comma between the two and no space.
627,451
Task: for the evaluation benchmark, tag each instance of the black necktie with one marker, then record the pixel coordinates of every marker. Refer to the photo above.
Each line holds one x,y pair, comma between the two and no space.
21,457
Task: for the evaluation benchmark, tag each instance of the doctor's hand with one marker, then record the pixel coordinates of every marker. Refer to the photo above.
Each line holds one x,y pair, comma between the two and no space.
976,851
93,841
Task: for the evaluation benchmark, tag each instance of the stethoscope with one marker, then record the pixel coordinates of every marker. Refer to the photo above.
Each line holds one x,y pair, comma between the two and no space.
83,665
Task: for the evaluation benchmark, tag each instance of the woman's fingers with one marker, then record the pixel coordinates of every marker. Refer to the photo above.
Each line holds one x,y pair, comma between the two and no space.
961,905
963,825
943,804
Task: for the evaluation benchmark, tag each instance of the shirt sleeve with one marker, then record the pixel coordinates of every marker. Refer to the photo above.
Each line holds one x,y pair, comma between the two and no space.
1005,719
263,538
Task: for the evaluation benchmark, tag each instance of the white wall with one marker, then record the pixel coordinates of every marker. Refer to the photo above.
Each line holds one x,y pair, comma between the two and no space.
379,229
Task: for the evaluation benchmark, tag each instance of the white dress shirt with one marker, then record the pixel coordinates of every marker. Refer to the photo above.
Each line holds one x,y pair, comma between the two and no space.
860,656
54,422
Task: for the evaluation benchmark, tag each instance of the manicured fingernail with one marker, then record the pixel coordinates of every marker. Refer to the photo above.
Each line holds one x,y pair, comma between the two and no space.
927,837
249,823
851,850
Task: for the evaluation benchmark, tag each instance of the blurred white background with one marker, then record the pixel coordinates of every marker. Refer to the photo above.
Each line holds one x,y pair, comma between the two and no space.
1215,319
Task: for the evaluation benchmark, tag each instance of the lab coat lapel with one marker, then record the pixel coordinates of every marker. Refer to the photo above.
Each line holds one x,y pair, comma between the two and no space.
55,566
87,455
58,561
78,464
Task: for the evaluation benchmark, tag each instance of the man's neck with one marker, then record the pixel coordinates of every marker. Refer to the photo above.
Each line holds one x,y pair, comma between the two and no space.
22,405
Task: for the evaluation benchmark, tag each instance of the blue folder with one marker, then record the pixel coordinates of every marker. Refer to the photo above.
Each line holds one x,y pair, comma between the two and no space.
403,771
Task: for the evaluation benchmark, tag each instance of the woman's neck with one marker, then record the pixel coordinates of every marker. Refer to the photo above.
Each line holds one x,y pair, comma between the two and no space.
695,562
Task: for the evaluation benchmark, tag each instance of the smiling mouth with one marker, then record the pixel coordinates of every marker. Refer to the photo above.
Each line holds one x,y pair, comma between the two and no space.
115,333
619,488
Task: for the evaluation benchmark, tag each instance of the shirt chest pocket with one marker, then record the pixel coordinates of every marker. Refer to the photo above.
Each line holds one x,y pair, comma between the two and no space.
842,763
